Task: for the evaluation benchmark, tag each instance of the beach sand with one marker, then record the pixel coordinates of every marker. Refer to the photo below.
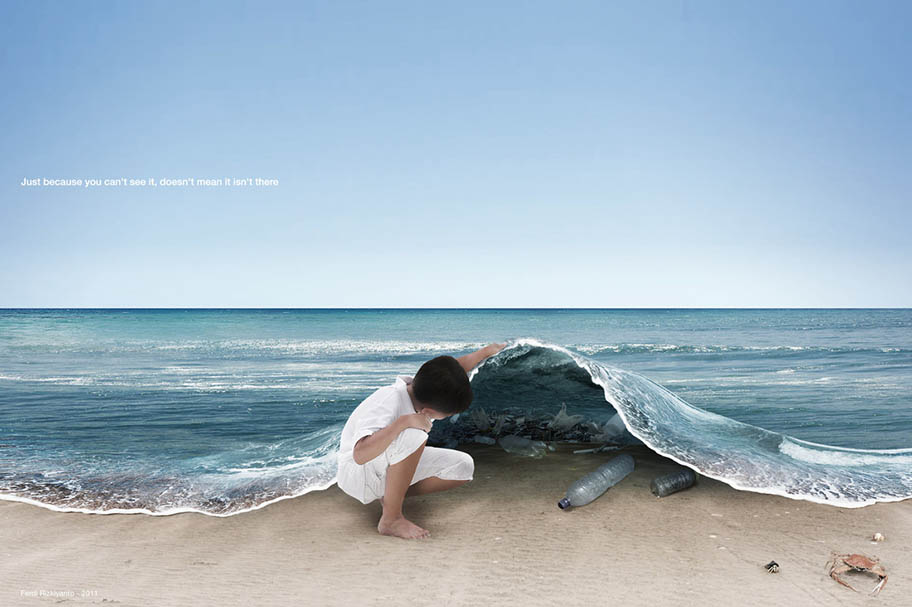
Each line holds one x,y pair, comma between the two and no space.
500,540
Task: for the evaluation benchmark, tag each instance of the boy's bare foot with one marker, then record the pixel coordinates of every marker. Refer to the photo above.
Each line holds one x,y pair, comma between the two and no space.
401,527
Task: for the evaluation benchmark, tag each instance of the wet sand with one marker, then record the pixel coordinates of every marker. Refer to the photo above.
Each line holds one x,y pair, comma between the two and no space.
500,539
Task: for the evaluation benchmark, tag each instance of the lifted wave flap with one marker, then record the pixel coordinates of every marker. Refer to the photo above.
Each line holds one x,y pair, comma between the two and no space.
743,456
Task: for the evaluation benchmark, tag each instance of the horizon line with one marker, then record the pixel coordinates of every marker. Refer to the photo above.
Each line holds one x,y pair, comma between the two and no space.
370,308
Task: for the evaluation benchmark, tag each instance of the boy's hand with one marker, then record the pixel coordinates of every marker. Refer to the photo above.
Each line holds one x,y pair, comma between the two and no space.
470,361
417,420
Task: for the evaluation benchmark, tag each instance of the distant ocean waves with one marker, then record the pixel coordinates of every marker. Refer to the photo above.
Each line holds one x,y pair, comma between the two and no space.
228,348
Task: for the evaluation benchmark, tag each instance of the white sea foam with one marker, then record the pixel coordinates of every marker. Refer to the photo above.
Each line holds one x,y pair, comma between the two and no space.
843,457
594,349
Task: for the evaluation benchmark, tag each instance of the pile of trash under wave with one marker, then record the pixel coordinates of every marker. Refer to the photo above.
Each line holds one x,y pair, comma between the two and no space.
527,432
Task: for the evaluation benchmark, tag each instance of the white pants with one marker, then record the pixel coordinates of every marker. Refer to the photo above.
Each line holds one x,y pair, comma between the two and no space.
367,482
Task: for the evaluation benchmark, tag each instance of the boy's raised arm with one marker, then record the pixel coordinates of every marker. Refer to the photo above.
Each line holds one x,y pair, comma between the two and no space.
470,361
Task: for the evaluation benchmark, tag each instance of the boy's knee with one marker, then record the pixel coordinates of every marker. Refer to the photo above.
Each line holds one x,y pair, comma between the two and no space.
469,465
464,469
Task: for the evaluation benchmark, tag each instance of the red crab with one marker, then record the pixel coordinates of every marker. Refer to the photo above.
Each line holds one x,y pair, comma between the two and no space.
843,563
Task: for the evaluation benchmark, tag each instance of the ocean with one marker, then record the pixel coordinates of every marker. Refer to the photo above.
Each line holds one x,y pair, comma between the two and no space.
161,411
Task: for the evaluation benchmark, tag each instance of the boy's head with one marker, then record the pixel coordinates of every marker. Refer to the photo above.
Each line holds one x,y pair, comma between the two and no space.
442,384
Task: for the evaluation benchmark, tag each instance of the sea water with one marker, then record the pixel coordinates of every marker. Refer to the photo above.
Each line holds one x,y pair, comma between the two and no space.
221,411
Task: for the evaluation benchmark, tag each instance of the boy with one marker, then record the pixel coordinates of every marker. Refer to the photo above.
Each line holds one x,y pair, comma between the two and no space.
382,454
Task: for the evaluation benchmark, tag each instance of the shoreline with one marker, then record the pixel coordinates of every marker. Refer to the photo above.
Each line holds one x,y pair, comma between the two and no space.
497,539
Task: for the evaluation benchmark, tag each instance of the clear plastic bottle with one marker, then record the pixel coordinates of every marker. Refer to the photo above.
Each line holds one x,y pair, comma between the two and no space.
672,482
597,482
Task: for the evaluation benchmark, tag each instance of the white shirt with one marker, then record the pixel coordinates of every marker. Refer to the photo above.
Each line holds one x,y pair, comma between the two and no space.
376,412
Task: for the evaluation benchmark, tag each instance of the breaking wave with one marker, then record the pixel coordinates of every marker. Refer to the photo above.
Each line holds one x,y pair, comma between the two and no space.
744,456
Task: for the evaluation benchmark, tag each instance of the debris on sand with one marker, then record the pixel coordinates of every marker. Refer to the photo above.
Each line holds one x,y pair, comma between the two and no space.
481,420
534,425
562,422
522,446
680,479
594,484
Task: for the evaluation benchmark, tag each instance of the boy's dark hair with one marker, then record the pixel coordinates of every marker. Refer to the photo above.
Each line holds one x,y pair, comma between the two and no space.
442,384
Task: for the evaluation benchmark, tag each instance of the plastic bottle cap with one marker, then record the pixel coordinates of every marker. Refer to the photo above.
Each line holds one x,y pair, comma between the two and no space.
564,503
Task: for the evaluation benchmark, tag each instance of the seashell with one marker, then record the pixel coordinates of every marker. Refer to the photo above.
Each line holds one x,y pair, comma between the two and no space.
878,537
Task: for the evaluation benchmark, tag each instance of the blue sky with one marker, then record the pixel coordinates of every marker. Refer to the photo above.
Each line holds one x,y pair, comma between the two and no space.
659,154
